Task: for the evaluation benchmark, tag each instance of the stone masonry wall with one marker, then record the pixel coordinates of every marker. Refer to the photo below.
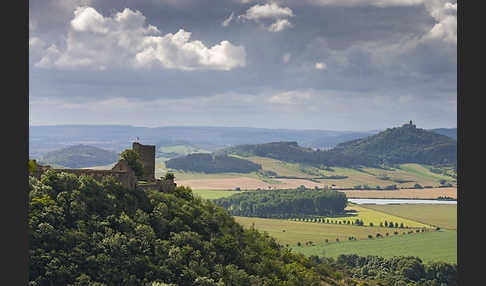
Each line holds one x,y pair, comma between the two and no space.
147,155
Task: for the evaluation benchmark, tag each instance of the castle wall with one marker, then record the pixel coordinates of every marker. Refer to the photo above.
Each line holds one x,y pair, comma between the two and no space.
147,155
121,171
166,186
126,178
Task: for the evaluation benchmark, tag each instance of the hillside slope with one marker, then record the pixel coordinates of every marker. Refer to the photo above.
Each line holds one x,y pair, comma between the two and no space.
82,232
80,156
405,144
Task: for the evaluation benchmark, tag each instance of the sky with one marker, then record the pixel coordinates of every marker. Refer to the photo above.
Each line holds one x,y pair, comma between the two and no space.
291,64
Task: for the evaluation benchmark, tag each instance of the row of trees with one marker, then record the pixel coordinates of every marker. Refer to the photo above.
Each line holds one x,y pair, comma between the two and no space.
357,222
284,203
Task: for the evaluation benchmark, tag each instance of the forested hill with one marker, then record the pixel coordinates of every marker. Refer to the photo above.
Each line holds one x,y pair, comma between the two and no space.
80,156
405,144
209,163
285,151
82,232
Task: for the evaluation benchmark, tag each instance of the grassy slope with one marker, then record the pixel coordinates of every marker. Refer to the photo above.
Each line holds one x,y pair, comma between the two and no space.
214,194
368,215
296,231
415,173
444,216
424,172
429,246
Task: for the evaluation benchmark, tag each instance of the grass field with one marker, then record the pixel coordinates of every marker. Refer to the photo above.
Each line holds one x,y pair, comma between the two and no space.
292,232
404,177
424,172
214,194
296,231
429,246
431,193
444,216
368,215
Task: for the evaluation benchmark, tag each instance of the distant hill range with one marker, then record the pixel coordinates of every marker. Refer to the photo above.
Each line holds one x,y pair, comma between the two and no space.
405,144
79,156
117,138
43,139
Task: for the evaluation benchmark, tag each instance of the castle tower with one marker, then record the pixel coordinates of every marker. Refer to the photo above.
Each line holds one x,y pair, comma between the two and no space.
147,155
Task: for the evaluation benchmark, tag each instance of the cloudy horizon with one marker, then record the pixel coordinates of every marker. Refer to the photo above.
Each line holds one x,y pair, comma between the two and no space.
312,64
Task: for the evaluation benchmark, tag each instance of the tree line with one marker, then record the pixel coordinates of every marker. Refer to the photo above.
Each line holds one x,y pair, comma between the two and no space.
398,270
284,203
210,163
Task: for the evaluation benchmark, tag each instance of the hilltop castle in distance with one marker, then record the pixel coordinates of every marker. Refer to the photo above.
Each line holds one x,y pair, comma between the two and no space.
122,171
410,125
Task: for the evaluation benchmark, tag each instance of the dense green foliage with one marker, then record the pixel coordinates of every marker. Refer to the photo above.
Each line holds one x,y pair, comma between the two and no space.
399,270
80,156
32,166
83,232
134,161
284,203
392,146
209,163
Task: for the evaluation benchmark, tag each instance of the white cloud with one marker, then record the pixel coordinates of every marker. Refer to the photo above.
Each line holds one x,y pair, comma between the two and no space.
279,25
87,19
445,14
227,20
270,11
125,41
176,51
320,66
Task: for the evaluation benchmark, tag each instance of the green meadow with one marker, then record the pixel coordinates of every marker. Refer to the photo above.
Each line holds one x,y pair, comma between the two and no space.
429,246
441,215
292,232
375,217
214,194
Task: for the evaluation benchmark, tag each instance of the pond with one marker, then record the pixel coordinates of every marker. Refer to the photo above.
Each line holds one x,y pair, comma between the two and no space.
399,201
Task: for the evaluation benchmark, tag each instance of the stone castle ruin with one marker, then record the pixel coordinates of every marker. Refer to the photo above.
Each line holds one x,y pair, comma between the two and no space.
147,155
122,171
